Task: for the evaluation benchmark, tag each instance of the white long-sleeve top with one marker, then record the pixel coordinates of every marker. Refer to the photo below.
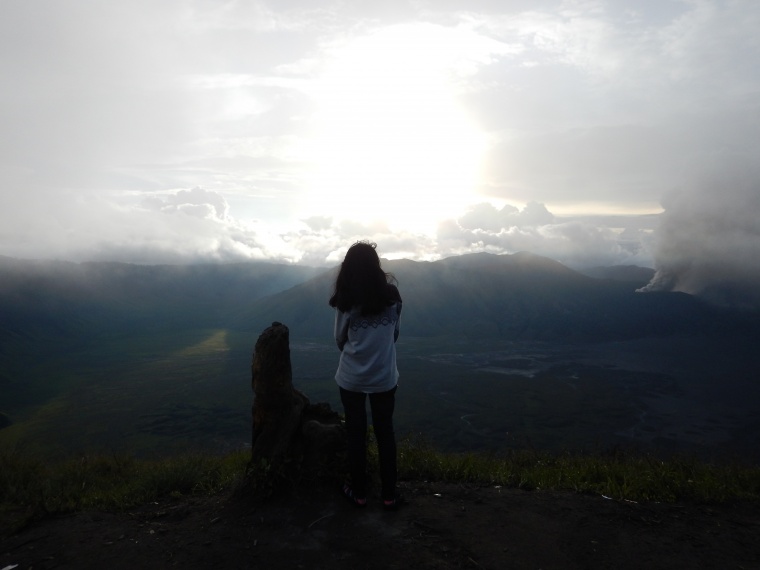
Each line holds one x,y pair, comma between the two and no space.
368,349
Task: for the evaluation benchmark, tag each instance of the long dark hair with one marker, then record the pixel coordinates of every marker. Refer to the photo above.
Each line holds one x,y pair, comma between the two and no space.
362,282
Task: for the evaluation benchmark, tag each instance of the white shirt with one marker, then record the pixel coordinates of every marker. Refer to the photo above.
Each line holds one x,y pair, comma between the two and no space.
368,349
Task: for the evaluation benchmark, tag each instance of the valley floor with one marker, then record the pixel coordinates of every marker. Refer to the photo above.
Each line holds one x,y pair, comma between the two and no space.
443,526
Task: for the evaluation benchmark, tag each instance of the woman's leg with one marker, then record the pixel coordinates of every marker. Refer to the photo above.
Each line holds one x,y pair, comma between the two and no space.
382,405
356,439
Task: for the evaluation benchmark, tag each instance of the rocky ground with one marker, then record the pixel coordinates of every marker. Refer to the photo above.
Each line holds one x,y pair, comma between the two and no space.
443,526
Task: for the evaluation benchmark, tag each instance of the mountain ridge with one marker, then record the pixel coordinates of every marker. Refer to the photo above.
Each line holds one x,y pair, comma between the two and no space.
512,296
176,347
518,296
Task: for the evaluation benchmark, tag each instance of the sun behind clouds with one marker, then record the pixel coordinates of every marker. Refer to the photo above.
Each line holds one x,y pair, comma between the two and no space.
392,143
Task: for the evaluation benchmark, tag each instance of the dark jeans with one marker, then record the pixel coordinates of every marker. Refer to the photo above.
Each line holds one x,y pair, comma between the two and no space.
382,405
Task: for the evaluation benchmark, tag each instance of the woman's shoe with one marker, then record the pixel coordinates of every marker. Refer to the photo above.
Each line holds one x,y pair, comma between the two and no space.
394,503
354,500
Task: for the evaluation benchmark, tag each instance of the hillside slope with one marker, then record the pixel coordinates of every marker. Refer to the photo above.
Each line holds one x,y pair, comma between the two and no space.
61,298
520,296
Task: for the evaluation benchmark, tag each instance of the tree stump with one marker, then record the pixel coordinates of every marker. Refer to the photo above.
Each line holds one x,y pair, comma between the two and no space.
289,433
277,406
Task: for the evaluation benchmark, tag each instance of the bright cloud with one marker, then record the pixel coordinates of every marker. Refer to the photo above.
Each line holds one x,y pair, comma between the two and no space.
391,139
233,130
576,242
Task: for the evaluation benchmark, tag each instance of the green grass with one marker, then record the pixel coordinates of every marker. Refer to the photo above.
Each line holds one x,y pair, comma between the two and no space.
36,487
623,476
31,487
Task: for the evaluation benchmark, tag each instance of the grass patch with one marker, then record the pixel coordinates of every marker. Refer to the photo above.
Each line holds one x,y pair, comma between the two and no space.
620,475
109,482
31,487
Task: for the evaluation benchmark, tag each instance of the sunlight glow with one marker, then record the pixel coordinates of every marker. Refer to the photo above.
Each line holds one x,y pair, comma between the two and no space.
589,208
392,142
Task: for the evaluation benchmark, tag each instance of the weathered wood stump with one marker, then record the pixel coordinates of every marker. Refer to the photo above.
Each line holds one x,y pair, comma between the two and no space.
287,429
277,406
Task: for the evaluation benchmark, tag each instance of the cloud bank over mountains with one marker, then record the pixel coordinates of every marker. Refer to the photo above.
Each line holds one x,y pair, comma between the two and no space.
196,225
577,242
217,131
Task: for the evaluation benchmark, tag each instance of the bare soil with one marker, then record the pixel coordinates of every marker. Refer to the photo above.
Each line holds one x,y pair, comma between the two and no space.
442,526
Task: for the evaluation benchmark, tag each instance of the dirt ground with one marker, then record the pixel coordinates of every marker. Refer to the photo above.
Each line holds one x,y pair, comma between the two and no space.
443,526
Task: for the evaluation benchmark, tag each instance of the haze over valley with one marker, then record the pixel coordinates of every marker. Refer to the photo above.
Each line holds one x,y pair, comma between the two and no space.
496,352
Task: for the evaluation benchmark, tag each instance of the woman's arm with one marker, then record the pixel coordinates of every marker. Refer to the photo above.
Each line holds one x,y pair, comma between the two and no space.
398,320
341,328
396,296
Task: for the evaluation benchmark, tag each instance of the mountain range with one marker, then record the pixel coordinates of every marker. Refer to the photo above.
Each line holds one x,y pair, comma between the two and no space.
519,296
113,355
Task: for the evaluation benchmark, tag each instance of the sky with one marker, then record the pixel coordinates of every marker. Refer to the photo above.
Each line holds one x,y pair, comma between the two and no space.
594,132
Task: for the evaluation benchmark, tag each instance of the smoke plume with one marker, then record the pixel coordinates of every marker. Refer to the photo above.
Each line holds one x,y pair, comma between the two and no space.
708,242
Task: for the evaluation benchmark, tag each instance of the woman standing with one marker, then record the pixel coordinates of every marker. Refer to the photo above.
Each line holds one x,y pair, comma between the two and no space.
368,307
